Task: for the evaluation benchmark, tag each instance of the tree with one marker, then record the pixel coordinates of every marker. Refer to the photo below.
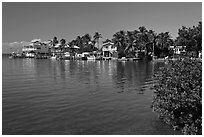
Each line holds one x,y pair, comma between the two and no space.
163,42
86,39
79,43
54,41
72,43
151,41
143,38
119,41
130,47
178,95
190,37
137,41
96,37
62,43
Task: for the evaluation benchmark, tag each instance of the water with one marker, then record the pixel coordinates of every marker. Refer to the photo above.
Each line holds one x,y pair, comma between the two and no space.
78,97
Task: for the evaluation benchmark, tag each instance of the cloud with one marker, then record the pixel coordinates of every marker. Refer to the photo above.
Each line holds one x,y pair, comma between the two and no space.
34,40
13,43
13,46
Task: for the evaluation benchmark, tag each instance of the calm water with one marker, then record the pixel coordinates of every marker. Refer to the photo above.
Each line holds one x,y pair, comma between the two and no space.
78,97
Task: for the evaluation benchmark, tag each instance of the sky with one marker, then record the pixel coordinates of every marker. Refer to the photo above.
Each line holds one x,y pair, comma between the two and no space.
23,22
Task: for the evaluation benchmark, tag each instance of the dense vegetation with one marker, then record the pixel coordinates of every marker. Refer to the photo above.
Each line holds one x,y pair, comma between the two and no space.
190,37
142,40
85,42
178,95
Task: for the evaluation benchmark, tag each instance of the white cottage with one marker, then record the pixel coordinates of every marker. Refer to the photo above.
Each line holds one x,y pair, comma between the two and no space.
109,50
178,49
36,47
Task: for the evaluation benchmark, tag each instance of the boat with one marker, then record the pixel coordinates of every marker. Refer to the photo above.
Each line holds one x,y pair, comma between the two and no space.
40,57
12,55
66,56
106,58
59,57
133,59
30,55
161,59
91,57
53,57
88,56
16,55
123,59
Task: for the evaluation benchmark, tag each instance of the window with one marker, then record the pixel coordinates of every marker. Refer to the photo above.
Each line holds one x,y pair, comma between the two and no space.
38,47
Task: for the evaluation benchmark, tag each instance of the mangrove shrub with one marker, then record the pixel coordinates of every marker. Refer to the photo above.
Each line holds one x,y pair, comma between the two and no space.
178,95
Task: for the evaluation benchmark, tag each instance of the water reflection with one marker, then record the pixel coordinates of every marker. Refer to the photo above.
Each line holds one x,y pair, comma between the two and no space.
131,75
78,97
125,76
28,65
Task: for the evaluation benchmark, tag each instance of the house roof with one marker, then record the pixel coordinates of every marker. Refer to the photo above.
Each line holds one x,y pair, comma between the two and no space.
66,46
76,47
36,40
56,46
108,43
46,42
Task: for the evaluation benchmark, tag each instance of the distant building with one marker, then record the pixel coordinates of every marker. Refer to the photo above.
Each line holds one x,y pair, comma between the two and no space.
178,49
28,48
109,49
56,50
36,47
200,54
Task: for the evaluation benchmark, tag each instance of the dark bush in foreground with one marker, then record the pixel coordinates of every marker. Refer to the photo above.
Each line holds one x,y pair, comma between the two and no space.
178,95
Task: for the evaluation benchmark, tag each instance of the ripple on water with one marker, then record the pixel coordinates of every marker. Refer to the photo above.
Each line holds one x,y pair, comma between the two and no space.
78,97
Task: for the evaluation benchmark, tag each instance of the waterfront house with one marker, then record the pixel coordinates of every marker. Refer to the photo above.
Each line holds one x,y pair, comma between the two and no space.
200,54
178,50
88,56
109,50
74,51
36,47
40,47
57,50
29,51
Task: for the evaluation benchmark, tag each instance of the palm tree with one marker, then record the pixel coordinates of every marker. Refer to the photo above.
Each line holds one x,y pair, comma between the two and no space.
54,41
130,47
119,41
96,37
143,38
136,39
79,43
151,42
72,43
84,42
87,38
62,43
163,41
191,38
